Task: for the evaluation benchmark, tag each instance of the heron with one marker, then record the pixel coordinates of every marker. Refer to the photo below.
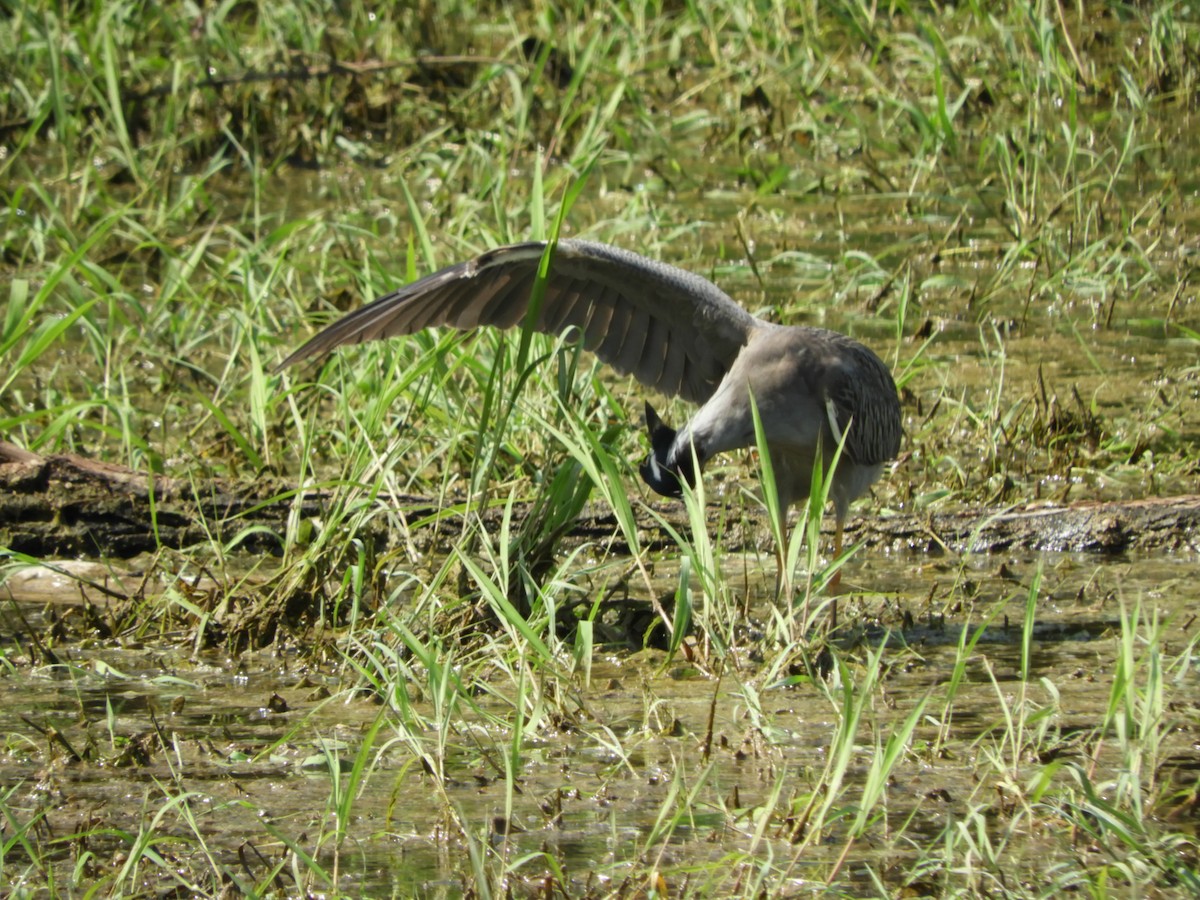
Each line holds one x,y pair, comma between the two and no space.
816,390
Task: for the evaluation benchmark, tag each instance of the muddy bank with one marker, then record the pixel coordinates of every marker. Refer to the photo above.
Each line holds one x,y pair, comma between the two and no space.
65,505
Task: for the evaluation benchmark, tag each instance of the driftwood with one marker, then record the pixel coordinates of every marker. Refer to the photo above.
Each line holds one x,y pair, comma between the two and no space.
65,505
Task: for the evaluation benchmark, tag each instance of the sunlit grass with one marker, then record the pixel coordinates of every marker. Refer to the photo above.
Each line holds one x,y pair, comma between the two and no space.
991,195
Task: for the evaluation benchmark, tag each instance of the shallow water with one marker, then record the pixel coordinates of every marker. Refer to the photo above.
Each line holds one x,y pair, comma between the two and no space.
106,739
151,720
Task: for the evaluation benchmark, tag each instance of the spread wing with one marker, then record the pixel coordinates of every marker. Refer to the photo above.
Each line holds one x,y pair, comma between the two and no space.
674,331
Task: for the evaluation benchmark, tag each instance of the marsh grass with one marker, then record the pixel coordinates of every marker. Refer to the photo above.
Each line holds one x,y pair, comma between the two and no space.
995,194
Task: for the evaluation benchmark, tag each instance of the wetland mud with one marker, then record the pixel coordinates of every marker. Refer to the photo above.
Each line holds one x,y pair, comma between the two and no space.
254,639
250,759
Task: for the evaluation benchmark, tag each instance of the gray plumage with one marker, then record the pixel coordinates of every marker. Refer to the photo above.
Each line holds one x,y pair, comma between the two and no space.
674,331
681,335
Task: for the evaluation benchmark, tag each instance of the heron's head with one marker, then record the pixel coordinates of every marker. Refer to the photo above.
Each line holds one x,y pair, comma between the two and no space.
665,469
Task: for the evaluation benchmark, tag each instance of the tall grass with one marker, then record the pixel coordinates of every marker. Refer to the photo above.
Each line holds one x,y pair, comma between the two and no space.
992,194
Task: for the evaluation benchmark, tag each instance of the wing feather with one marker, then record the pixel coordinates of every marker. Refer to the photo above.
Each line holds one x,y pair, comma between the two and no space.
673,330
865,401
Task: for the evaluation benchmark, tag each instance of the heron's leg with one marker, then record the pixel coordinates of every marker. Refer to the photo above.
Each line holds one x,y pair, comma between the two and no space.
784,587
779,563
835,582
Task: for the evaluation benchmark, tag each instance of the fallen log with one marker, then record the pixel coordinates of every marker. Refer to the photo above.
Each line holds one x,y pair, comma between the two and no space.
64,505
